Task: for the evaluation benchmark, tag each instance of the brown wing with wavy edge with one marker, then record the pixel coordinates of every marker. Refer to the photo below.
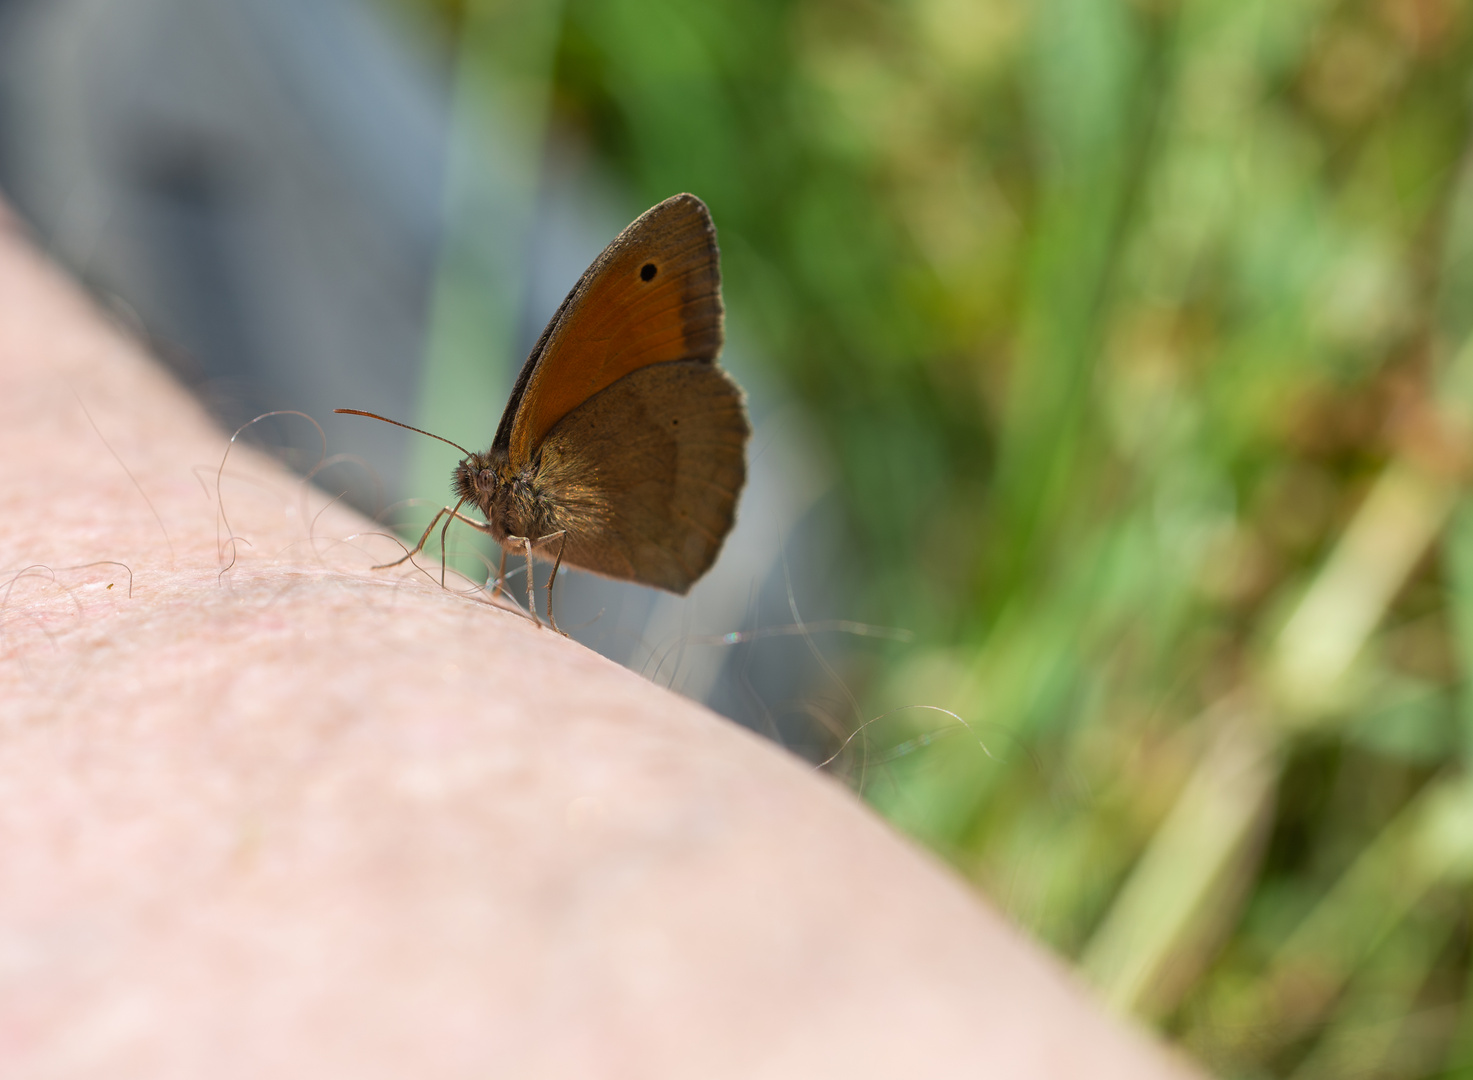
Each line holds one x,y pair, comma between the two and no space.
645,475
652,297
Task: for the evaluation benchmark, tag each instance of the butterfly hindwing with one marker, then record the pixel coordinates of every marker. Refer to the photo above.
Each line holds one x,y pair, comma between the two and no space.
646,473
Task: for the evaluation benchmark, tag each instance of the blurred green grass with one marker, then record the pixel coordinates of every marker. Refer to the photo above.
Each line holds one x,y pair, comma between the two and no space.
1140,332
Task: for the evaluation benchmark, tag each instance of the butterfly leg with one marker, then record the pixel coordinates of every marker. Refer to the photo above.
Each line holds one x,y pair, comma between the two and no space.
419,546
531,582
444,531
451,513
562,537
526,543
500,574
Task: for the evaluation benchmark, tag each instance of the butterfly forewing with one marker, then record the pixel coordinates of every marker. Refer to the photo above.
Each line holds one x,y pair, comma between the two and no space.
652,297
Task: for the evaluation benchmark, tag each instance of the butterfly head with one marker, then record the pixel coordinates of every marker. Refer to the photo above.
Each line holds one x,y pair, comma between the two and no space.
480,478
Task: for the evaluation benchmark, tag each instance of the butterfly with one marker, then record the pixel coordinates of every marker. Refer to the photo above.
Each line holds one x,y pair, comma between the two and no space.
623,446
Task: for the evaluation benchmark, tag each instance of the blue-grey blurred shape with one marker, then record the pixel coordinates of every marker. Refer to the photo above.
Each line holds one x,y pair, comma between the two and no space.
260,180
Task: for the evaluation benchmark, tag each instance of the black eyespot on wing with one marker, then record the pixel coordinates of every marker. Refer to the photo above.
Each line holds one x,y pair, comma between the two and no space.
648,271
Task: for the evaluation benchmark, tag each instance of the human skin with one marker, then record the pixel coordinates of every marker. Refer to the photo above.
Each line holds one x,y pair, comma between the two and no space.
306,819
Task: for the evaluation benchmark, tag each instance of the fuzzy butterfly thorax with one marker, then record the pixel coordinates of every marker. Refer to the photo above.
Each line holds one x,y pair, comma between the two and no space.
534,502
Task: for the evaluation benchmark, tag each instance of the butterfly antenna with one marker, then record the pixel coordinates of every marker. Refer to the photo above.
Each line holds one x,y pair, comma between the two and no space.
411,427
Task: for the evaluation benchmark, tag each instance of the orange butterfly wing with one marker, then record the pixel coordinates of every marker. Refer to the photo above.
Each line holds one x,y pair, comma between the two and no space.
652,297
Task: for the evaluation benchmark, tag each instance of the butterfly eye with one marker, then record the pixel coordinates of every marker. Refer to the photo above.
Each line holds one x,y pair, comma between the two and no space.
486,480
648,271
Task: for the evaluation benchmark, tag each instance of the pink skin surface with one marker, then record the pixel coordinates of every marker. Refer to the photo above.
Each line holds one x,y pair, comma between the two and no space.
308,819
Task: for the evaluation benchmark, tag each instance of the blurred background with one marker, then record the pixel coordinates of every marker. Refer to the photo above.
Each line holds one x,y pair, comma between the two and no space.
1112,372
